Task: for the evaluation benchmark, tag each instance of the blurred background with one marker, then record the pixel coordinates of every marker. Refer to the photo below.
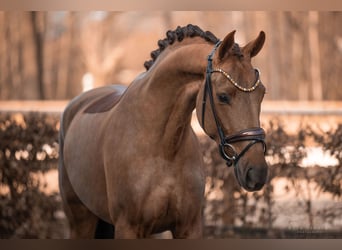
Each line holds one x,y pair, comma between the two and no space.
47,55
47,58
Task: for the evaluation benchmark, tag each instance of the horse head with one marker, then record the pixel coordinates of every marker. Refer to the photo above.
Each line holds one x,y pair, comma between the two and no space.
228,109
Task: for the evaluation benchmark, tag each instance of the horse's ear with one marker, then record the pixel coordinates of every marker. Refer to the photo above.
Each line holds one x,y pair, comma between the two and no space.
253,47
226,45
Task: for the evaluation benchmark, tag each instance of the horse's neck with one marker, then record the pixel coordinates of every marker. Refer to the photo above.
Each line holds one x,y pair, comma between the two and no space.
166,95
177,76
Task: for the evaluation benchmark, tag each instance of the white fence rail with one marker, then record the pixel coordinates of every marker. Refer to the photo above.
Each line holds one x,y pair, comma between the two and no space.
324,108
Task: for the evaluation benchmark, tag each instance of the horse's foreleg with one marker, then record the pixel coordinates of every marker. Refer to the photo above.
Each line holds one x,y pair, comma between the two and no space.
124,230
193,230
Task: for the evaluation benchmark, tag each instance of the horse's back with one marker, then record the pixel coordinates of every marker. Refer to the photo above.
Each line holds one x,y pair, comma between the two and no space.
93,101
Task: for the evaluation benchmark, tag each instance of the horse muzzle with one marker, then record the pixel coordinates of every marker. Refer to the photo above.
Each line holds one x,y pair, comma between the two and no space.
251,174
251,178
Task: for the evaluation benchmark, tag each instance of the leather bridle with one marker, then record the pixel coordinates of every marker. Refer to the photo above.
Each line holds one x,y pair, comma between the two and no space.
254,135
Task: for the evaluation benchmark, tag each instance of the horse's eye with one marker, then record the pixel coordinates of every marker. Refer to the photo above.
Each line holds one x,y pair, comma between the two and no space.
224,98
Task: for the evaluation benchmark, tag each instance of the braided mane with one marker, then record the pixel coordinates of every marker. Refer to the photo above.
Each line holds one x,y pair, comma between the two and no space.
179,34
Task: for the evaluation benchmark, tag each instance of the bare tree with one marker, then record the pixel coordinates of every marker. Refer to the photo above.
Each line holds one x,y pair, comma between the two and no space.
38,29
301,59
64,57
315,69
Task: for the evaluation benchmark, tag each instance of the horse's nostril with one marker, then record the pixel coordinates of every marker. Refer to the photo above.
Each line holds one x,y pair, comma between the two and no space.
253,180
258,186
249,179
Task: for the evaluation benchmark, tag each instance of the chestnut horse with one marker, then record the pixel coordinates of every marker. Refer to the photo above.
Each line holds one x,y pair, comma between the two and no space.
129,157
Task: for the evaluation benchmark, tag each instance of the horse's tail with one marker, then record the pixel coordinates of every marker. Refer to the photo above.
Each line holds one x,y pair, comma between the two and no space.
61,136
61,146
64,122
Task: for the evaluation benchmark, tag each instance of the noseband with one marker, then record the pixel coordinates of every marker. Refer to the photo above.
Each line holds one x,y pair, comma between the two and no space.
254,135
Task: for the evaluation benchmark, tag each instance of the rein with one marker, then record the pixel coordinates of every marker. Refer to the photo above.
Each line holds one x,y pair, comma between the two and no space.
255,135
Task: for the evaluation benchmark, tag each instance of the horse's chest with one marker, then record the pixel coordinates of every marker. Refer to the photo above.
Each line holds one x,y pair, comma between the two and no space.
159,196
173,201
